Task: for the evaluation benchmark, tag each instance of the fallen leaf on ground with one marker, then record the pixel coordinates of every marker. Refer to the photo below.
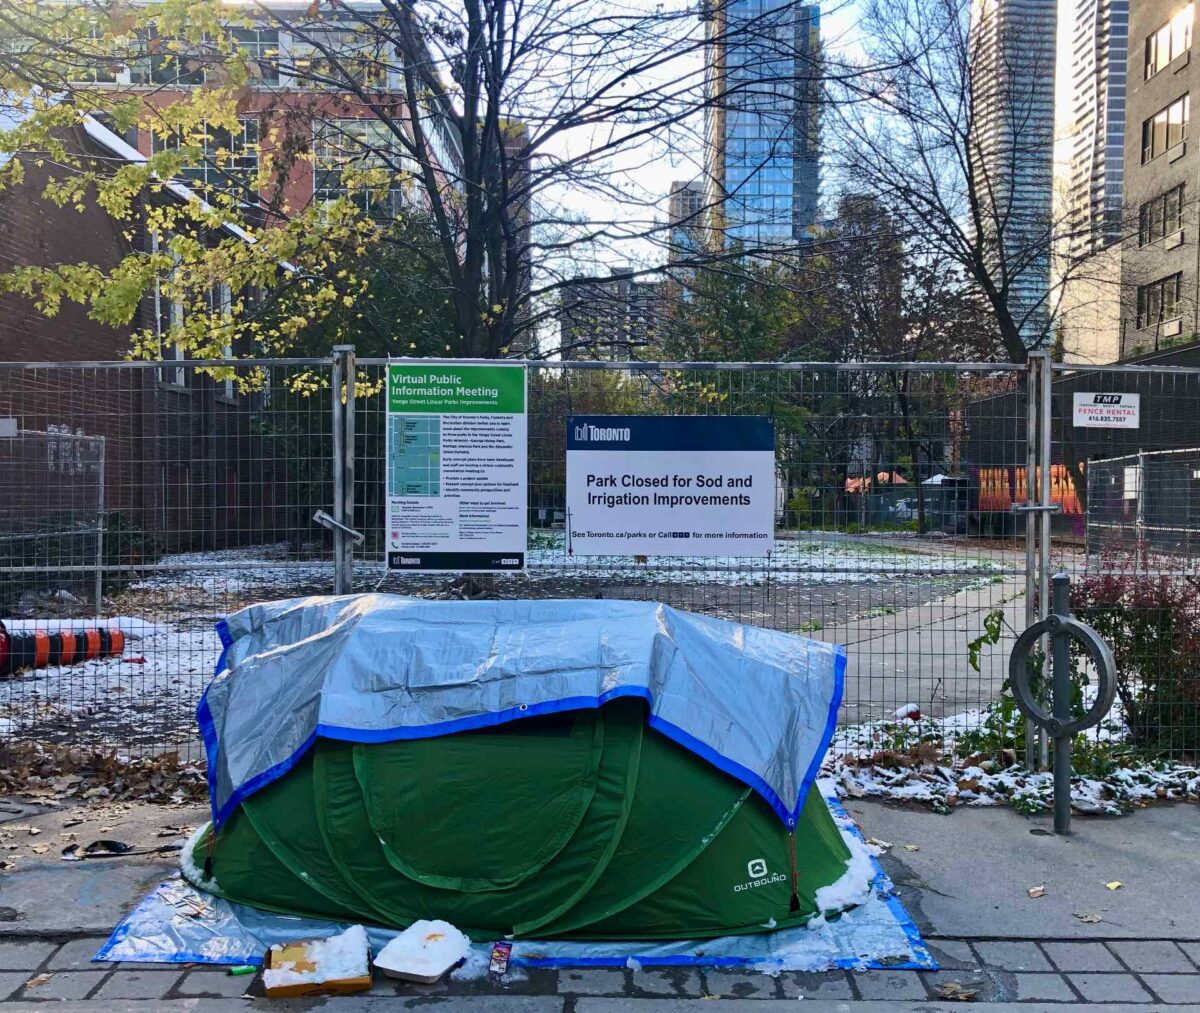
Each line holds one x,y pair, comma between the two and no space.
1036,891
5,865
881,845
72,822
912,847
38,979
1116,884
39,849
955,992
1089,918
34,831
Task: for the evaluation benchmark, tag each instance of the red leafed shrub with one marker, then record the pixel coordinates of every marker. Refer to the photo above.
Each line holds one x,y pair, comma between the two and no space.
1151,620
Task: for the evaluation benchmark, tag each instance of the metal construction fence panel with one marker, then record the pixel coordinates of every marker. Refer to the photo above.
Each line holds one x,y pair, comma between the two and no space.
1136,581
154,498
1148,502
882,543
901,528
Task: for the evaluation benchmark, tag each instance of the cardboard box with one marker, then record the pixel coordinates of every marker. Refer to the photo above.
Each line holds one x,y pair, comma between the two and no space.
304,959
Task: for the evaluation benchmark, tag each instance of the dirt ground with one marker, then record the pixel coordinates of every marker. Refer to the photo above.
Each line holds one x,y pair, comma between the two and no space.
144,701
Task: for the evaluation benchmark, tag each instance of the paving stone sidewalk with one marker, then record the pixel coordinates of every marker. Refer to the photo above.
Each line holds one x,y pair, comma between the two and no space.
1078,945
1160,972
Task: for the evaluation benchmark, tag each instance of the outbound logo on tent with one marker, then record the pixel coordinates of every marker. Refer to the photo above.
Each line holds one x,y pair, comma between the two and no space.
759,875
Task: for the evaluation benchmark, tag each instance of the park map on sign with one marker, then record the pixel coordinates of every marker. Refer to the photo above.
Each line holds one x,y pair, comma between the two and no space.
415,453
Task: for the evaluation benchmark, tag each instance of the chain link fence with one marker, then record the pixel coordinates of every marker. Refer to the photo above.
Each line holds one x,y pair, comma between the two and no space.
896,533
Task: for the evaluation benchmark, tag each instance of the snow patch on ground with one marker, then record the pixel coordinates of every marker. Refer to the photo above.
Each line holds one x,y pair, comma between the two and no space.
831,560
923,761
853,887
792,561
236,571
146,696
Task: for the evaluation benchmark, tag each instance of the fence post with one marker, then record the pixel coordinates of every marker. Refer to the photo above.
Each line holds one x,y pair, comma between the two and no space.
346,561
101,466
1032,397
1046,436
1140,520
336,378
1061,689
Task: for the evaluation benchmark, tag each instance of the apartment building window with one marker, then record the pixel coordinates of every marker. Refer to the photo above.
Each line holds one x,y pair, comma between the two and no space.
168,315
1162,216
360,158
360,57
165,61
1166,128
219,301
1159,301
104,70
1170,41
261,45
230,159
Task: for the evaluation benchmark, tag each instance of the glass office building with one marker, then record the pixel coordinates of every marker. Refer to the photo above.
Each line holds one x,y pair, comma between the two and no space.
1099,58
763,65
1012,67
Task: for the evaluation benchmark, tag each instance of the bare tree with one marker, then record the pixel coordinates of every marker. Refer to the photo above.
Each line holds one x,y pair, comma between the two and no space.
525,130
952,128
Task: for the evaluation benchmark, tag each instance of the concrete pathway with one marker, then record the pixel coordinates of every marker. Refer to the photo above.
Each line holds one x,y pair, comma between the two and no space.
920,655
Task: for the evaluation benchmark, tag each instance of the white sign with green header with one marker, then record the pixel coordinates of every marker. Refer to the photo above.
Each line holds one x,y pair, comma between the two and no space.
457,467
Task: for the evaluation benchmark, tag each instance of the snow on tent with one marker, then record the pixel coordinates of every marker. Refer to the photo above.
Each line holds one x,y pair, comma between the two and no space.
579,769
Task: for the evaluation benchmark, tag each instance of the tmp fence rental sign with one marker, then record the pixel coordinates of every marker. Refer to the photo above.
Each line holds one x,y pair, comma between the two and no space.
1107,411
679,485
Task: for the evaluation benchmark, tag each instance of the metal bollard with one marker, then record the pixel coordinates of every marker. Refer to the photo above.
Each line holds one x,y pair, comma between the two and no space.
1062,628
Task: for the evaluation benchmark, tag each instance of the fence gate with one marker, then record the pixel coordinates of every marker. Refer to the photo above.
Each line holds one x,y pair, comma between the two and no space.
917,506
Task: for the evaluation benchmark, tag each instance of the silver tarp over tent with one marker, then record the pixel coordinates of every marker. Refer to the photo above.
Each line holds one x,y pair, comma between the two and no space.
757,703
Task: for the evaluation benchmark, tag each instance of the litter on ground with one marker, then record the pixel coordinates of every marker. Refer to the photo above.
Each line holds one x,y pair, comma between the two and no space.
424,952
335,965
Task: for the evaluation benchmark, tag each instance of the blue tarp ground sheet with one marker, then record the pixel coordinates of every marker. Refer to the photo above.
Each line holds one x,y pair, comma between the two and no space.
176,923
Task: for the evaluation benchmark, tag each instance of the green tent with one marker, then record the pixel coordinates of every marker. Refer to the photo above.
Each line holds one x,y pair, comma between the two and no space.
584,824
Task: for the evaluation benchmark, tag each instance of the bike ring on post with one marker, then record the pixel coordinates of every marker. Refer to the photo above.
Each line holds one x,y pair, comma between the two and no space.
1062,628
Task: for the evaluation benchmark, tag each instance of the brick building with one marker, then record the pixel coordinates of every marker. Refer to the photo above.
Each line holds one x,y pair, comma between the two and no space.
165,448
185,457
